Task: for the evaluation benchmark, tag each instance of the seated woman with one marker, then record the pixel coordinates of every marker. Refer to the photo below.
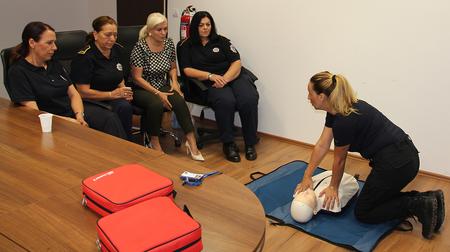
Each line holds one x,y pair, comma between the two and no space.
40,83
152,60
97,72
212,58
357,126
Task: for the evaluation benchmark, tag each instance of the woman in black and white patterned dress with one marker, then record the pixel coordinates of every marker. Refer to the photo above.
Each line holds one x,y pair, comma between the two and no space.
153,68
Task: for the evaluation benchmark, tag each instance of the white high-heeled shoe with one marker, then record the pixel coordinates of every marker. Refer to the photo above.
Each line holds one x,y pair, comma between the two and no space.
196,157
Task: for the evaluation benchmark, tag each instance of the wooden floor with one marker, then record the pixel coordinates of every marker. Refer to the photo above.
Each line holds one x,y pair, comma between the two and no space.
274,152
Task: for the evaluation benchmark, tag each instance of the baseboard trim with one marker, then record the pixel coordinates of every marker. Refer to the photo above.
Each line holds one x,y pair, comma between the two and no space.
311,146
350,155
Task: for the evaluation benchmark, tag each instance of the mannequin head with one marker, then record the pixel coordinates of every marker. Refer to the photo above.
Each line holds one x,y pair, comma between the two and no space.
303,205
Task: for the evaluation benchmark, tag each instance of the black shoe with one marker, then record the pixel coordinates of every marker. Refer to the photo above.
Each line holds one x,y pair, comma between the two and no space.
250,152
439,195
425,209
231,152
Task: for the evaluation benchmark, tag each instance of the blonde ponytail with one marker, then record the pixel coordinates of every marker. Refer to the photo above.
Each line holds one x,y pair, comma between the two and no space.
153,20
143,33
340,94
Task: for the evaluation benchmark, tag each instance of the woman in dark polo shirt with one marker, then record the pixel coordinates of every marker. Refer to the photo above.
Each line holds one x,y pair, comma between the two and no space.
357,126
97,72
41,83
212,58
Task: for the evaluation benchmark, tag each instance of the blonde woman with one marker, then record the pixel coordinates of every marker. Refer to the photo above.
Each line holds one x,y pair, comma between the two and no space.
153,68
357,126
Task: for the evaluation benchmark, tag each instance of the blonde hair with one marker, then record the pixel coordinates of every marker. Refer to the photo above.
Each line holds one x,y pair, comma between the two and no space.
339,92
153,20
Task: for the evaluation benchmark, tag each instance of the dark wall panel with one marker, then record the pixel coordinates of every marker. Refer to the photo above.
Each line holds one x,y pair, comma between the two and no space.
135,12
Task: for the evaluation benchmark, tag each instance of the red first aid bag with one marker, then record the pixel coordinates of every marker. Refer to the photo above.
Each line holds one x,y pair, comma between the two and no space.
122,187
153,225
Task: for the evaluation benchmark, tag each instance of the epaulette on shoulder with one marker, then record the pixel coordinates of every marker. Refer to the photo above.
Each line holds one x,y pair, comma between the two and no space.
83,51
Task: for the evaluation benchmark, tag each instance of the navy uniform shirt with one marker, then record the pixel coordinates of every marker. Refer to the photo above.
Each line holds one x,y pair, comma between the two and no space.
366,131
92,67
47,87
214,57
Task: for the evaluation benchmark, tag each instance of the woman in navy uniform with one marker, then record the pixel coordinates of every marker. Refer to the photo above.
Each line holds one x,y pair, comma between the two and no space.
97,72
40,83
154,71
357,126
212,58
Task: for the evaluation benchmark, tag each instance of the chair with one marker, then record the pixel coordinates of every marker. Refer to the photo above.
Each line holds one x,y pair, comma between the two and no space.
6,55
195,92
68,43
127,37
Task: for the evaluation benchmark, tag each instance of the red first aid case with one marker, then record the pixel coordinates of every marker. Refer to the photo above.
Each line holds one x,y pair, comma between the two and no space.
154,225
122,187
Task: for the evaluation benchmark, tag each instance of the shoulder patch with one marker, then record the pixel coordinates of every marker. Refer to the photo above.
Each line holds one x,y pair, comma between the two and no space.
83,51
232,48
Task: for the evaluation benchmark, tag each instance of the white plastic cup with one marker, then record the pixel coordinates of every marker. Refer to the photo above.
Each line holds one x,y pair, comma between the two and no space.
46,122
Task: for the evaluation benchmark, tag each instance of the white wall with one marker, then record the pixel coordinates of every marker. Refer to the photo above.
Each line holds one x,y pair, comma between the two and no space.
62,15
396,54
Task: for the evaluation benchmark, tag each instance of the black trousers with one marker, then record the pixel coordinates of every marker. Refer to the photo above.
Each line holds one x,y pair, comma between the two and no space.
153,110
124,111
240,95
104,120
381,199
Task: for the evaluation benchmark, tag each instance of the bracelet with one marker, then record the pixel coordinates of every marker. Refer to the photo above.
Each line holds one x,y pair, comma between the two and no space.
157,92
209,76
110,94
82,114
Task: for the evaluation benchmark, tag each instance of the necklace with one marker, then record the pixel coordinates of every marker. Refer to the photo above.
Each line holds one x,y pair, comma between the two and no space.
154,46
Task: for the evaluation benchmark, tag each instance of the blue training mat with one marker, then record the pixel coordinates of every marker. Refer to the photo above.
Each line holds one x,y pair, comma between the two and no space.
275,191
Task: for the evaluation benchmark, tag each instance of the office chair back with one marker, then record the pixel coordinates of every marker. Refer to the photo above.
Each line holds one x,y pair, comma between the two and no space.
69,43
127,37
6,61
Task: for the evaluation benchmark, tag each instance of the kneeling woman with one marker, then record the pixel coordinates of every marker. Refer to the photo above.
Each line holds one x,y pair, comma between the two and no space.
357,126
40,83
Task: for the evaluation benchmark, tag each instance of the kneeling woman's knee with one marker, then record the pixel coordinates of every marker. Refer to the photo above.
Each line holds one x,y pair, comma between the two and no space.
362,214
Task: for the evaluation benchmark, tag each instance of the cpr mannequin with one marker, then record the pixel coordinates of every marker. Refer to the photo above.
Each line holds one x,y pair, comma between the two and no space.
307,203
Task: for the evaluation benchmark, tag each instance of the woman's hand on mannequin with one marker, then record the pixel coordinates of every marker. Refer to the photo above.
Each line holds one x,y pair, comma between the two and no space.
331,197
306,183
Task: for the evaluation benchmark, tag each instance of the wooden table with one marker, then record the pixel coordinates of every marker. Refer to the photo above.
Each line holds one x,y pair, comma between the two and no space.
40,193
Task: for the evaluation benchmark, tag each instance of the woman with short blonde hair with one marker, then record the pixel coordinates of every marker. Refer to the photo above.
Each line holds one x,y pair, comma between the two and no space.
154,71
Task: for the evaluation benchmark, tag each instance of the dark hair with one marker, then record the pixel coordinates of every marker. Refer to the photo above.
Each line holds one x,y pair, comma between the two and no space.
193,29
32,30
97,25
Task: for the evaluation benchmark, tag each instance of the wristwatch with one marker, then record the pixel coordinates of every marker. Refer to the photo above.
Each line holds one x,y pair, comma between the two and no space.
209,76
82,114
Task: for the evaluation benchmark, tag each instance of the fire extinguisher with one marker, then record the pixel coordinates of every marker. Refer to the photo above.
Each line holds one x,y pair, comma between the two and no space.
185,21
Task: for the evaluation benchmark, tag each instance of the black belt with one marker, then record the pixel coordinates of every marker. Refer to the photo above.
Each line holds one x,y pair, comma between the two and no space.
392,147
